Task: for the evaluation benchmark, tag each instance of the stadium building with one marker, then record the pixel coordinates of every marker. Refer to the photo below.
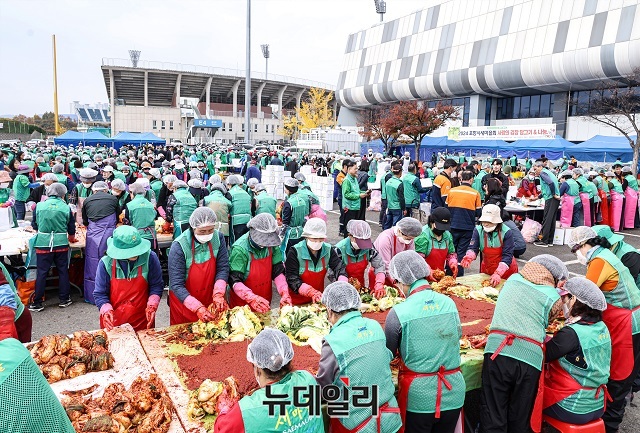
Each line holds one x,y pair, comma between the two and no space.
510,62
197,104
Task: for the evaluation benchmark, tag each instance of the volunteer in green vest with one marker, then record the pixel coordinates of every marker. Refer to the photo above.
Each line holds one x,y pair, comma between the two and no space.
426,405
549,189
263,202
578,357
315,211
119,190
55,227
141,214
255,261
373,167
485,167
513,356
156,182
627,254
221,205
240,207
41,167
631,199
394,191
7,200
586,195
435,243
81,191
15,319
198,270
22,185
251,185
412,189
128,282
351,194
58,170
180,206
383,193
622,315
357,253
271,354
355,349
295,210
307,264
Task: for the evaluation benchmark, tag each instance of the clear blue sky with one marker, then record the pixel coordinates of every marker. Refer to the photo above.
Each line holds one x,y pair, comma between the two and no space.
307,40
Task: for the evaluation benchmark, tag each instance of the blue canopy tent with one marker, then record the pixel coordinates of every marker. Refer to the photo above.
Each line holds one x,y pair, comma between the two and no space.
136,139
552,149
473,147
376,145
74,138
603,148
428,147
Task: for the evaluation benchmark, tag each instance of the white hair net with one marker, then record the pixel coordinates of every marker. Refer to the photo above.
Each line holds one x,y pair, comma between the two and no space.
195,174
56,189
315,228
179,184
408,267
553,264
136,188
252,182
260,187
359,229
577,171
218,186
264,223
291,182
340,296
234,180
155,172
587,292
50,176
58,168
99,186
215,179
144,182
301,177
270,350
202,216
410,227
118,184
579,235
195,183
170,178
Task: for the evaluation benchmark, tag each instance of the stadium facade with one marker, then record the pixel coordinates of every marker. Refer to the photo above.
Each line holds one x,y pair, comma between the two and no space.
198,103
507,62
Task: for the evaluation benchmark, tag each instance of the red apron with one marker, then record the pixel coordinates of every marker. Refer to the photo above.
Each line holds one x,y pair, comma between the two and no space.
258,280
129,300
199,284
559,384
536,414
618,320
491,258
437,258
314,279
337,427
604,207
356,270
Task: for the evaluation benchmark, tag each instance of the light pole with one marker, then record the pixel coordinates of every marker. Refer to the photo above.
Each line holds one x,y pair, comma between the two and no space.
247,81
381,8
265,53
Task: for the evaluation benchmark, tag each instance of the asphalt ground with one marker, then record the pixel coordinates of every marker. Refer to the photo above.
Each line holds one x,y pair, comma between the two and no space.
83,316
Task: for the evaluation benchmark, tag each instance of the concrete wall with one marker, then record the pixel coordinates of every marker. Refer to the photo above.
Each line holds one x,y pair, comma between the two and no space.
140,119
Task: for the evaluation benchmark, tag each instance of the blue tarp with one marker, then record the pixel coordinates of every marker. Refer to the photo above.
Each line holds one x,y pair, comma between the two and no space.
85,138
136,139
552,149
602,148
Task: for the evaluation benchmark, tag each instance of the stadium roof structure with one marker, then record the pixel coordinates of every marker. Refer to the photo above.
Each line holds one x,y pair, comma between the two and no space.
166,82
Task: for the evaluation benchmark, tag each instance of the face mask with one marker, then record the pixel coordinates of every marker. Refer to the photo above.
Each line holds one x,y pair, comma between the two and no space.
531,177
86,185
354,245
405,241
582,259
203,239
114,192
489,229
437,232
565,310
315,245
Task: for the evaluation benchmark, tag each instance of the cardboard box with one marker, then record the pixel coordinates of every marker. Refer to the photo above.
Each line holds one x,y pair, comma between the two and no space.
567,235
558,237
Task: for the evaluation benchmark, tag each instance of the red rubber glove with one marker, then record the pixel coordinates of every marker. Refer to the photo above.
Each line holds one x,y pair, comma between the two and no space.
219,303
310,292
150,313
469,257
204,314
285,300
107,319
258,303
72,239
497,275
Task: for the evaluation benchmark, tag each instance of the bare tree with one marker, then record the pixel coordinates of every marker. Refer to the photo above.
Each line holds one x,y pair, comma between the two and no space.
372,120
616,104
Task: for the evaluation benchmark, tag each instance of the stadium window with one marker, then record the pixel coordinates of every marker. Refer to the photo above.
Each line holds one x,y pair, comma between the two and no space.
162,124
242,126
525,104
170,124
515,114
224,126
545,106
534,109
266,128
273,128
255,128
155,125
487,111
230,127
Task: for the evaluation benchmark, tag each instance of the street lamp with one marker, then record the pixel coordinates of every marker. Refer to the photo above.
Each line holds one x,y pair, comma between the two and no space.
381,8
265,53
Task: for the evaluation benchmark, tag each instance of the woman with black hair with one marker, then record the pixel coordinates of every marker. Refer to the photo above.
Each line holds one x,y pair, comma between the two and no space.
578,357
622,315
493,193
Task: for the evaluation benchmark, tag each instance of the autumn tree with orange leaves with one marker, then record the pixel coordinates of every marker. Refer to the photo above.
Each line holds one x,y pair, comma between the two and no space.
373,122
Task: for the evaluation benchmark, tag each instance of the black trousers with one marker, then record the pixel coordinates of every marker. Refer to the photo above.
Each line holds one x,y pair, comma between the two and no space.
238,231
509,389
555,411
618,390
427,422
383,210
45,261
549,219
461,241
362,213
348,216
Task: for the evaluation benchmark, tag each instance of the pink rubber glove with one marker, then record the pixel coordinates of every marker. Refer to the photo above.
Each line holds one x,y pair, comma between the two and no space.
204,314
378,287
452,261
469,257
343,278
218,301
192,304
258,303
150,311
497,275
161,211
310,292
106,315
283,290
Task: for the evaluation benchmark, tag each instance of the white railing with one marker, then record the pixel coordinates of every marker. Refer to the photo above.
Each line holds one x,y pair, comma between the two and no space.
212,70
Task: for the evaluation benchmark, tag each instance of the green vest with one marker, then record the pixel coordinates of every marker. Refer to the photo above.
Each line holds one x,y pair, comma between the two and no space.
44,168
349,255
62,178
477,183
241,206
266,204
604,185
19,304
350,188
217,202
433,317
119,175
626,294
494,238
522,309
255,414
304,257
633,182
201,250
243,245
82,191
21,188
393,201
306,190
411,196
427,241
156,186
596,348
592,189
583,183
383,188
141,262
5,193
359,346
574,190
544,188
299,211
52,216
185,205
617,186
142,215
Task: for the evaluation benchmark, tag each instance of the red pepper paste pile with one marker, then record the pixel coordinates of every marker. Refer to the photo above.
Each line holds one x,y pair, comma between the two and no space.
219,361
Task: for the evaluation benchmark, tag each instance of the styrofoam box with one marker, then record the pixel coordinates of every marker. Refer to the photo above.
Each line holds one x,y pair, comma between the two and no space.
558,237
275,167
306,170
286,173
567,235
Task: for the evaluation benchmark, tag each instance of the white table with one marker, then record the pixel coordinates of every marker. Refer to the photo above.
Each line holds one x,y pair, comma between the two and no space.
14,241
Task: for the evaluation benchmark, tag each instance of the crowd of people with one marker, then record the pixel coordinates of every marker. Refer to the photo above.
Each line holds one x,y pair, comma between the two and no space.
233,243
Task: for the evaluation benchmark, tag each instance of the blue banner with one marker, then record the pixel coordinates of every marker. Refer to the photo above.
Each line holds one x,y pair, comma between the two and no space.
207,123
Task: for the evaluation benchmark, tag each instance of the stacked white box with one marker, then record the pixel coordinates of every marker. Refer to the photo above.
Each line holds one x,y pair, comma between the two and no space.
273,178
